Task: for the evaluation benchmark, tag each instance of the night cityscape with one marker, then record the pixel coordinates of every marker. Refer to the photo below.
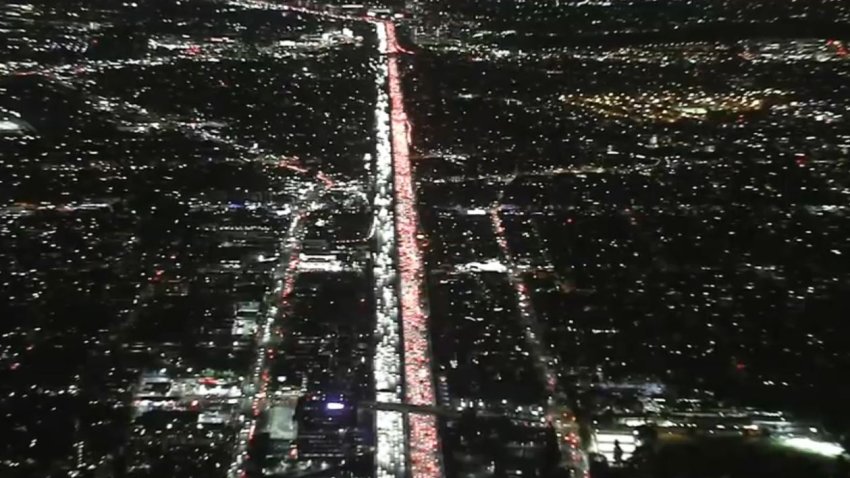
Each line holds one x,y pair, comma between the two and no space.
425,239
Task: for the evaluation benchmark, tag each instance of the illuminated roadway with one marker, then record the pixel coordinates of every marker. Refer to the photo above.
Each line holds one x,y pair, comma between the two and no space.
422,438
284,285
557,412
390,435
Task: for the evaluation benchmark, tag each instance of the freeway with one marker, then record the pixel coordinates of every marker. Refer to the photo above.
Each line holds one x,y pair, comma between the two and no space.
399,261
390,447
423,440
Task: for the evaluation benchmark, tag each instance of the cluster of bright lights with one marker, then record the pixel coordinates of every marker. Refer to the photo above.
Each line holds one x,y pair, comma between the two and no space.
423,441
811,445
418,380
424,460
389,426
605,444
387,367
389,450
307,8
